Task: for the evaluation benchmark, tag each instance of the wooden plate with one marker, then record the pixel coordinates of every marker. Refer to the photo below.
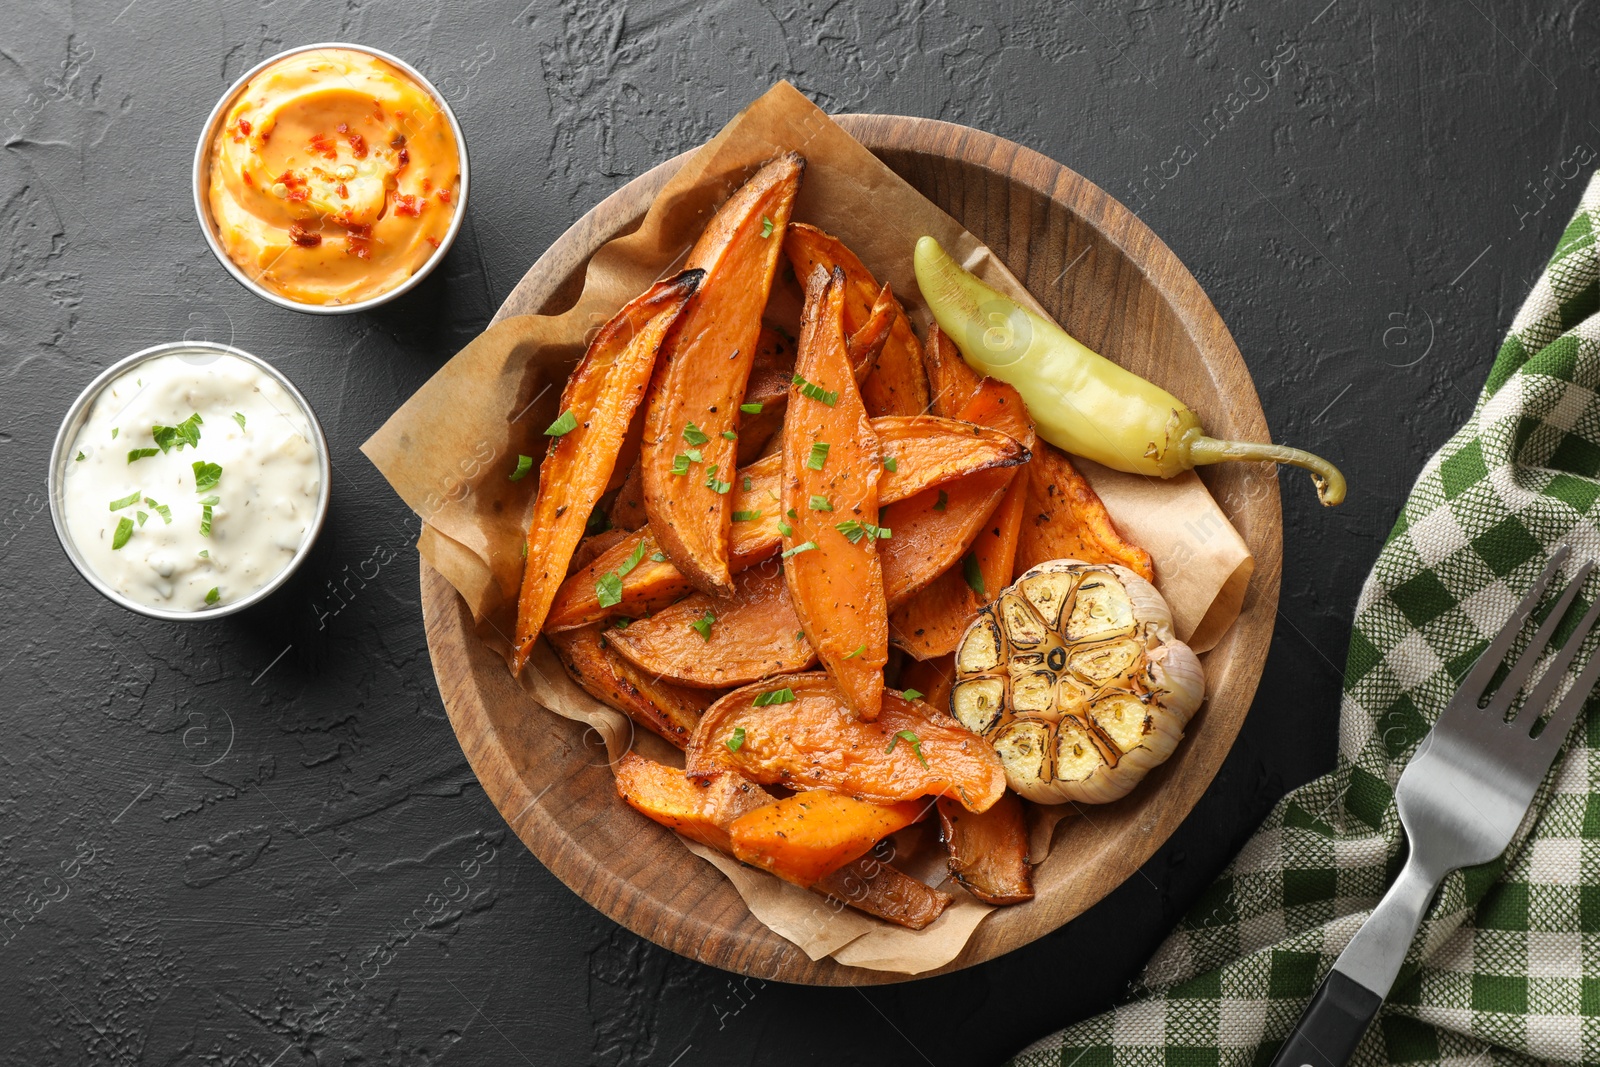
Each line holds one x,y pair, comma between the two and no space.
1108,280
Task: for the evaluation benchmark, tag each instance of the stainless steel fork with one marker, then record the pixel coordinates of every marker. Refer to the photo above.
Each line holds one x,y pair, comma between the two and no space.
1461,798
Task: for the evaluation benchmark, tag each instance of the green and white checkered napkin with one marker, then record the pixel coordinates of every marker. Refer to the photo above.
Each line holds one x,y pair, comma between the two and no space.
1506,968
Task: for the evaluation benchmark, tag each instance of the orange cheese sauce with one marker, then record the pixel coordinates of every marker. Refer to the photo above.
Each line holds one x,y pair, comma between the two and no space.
334,177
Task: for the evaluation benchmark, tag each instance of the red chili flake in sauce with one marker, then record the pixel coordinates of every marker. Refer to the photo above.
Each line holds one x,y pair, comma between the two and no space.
245,127
406,204
359,243
323,147
444,196
434,241
344,194
246,176
398,142
298,194
303,237
427,185
358,146
291,180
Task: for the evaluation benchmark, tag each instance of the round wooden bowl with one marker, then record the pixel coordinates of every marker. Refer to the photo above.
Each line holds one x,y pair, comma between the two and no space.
1112,283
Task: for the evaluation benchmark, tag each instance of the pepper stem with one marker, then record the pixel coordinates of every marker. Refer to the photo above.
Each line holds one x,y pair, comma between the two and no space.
1330,483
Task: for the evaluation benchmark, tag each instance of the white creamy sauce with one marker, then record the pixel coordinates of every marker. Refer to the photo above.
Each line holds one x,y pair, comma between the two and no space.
265,498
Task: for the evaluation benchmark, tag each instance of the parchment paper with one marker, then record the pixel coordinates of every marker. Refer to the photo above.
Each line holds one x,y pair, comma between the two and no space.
448,452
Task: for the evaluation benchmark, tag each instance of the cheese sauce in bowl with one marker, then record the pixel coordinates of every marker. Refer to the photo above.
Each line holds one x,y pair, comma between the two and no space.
189,480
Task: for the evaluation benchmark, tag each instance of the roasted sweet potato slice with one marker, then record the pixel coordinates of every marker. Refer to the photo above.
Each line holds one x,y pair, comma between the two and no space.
717,642
876,888
767,391
596,406
593,547
1065,519
694,399
867,342
704,811
669,710
931,678
952,380
804,735
924,451
831,464
896,385
935,528
989,850
932,621
699,809
627,507
812,834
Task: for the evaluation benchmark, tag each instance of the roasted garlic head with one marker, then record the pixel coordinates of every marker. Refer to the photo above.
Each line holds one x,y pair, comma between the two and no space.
1074,675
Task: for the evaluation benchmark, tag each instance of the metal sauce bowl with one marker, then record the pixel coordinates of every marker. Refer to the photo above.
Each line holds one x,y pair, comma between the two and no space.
78,414
202,172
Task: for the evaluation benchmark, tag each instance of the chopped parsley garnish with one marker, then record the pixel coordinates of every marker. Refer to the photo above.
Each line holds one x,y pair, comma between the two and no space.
820,503
239,419
891,464
943,502
127,501
911,739
702,625
774,696
124,531
750,409
911,694
142,516
608,590
565,423
186,432
694,435
622,622
114,431
524,465
797,549
206,475
214,596
714,483
766,227
599,522
205,514
729,435
974,573
819,456
858,650
747,483
816,392
680,464
785,529
205,553
140,453
81,459
695,455
659,557
735,742
854,531
799,635
746,516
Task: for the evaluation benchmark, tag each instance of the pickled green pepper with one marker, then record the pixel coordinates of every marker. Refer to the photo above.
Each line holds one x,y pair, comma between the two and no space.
1079,400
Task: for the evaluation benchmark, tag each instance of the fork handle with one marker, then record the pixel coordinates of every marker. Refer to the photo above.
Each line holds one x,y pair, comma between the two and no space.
1343,1006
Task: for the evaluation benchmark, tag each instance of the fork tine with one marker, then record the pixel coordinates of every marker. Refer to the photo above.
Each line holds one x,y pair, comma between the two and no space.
1540,695
1482,672
1560,724
1522,670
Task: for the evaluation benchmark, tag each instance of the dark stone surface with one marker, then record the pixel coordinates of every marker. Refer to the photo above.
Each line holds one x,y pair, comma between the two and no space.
218,843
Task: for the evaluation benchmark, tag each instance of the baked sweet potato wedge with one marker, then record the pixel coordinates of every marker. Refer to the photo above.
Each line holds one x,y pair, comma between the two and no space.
935,528
1065,519
766,393
896,384
931,679
951,379
701,378
804,837
596,407
989,850
832,460
922,451
703,812
804,735
666,709
699,809
718,642
870,885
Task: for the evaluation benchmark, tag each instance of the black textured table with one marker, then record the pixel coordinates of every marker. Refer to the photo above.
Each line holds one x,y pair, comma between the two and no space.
257,842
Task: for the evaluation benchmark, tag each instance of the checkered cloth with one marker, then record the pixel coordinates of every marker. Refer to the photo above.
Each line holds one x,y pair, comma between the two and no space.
1506,968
